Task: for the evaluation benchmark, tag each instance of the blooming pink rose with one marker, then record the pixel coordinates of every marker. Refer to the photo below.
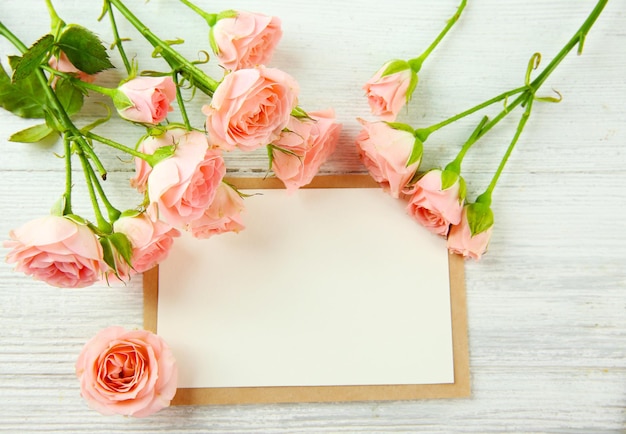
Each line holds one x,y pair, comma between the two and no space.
56,250
245,41
461,241
148,146
183,185
132,373
384,151
303,147
63,64
150,99
434,207
250,108
151,240
223,215
388,93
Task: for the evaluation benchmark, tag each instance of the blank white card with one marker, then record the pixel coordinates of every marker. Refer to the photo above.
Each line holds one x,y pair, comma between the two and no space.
323,287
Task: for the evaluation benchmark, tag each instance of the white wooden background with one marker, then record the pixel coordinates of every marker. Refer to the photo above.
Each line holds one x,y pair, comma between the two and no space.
547,305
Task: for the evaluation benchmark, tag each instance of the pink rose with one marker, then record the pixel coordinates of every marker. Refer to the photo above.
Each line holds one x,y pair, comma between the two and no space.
435,207
223,215
385,152
148,146
151,240
303,147
245,41
63,64
390,89
183,185
132,373
149,97
250,108
462,242
56,250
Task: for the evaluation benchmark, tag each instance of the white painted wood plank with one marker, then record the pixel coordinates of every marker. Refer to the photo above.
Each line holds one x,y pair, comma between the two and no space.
547,305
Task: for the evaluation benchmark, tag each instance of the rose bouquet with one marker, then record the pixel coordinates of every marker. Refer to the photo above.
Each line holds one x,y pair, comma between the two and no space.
437,197
179,167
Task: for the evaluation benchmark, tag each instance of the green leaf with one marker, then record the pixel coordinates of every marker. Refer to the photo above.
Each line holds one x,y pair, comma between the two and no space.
70,96
25,98
448,179
479,217
32,134
84,49
33,58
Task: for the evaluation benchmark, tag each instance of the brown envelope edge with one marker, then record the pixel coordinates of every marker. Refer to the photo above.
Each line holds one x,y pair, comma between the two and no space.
257,395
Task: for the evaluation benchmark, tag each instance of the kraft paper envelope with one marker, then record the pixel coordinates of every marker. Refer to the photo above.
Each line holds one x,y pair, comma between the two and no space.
368,305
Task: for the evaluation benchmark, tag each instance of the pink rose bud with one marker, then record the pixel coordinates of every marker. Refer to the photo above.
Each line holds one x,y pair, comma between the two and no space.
56,250
246,40
63,64
250,108
436,200
471,236
303,147
385,151
223,215
182,186
148,146
390,89
132,373
151,240
145,99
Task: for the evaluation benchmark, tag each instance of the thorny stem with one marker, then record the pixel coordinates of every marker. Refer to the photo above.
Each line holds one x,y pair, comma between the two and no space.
113,144
67,146
486,196
103,225
118,40
179,63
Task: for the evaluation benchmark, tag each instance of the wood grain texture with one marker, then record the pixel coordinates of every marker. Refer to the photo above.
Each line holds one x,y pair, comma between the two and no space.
546,305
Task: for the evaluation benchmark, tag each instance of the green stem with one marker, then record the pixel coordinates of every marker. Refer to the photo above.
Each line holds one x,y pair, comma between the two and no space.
577,39
190,71
181,104
455,165
528,95
416,63
486,196
211,19
423,133
112,212
56,23
528,90
118,40
107,91
103,225
148,158
67,146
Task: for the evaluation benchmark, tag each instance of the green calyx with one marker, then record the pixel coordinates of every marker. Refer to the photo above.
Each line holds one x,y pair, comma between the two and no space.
116,245
479,217
121,101
395,66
